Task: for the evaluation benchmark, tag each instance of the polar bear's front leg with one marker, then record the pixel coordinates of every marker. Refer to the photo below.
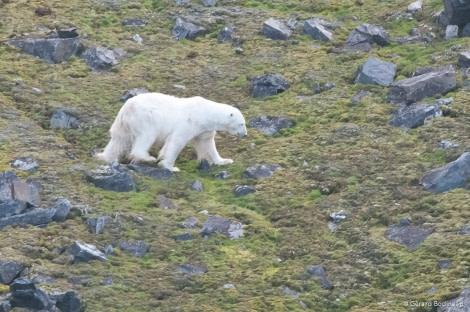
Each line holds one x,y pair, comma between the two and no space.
169,152
140,149
205,148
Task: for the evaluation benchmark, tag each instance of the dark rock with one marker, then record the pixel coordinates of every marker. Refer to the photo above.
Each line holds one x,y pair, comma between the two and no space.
414,116
457,11
191,223
268,84
376,72
10,207
186,30
222,175
62,208
96,225
183,237
262,171
37,216
410,236
6,183
109,250
25,164
444,264
112,177
275,29
318,272
452,31
226,34
453,175
209,3
442,20
81,252
61,120
154,173
270,125
204,165
67,33
216,224
24,294
51,50
464,231
137,248
100,59
131,93
67,302
356,99
459,304
5,306
316,88
364,35
464,59
191,269
466,30
317,31
9,270
242,190
197,186
165,203
444,144
413,89
135,22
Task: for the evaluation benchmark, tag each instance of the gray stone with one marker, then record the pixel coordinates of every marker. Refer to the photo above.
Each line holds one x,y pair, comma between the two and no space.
432,83
81,252
452,31
209,3
131,93
204,165
222,175
67,33
229,286
197,186
318,272
165,203
317,31
466,30
459,304
444,144
242,190
453,175
10,207
25,164
262,171
27,192
96,225
268,84
464,59
415,6
407,235
100,59
376,72
5,306
444,264
62,208
24,294
107,281
216,224
134,22
364,35
190,269
226,34
51,50
186,30
68,301
356,99
137,248
191,223
61,120
9,270
112,177
290,292
457,11
6,183
109,250
183,237
276,29
137,38
154,173
37,217
181,2
270,125
464,231
414,116
442,20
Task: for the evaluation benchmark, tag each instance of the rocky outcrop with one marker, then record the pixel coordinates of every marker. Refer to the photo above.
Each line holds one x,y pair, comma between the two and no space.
112,177
408,235
376,72
415,115
457,11
459,304
276,29
268,84
364,36
186,30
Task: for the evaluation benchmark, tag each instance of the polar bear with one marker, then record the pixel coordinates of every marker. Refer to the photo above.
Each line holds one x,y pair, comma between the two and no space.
170,123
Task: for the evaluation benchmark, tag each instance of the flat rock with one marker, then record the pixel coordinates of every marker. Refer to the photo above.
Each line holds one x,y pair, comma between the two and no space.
270,125
100,59
62,120
414,115
242,190
165,203
190,269
81,252
262,171
459,304
11,207
356,99
25,164
137,248
36,216
276,29
9,270
376,72
111,177
191,223
27,192
182,29
6,183
317,31
268,84
407,235
318,272
453,175
216,224
151,172
134,22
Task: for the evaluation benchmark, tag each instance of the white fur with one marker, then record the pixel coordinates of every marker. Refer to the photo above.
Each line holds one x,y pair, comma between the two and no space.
170,122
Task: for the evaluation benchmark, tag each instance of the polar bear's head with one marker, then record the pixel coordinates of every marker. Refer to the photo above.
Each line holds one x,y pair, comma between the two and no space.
236,124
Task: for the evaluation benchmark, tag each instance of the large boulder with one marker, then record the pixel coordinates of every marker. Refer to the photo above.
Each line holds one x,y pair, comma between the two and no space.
429,84
24,294
6,183
364,35
276,29
457,11
51,50
80,252
186,30
317,31
453,175
36,216
62,120
268,84
9,270
270,125
100,59
415,115
112,177
408,235
377,72
464,59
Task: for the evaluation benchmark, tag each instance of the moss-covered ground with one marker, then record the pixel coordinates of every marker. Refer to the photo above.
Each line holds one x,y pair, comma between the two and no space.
371,168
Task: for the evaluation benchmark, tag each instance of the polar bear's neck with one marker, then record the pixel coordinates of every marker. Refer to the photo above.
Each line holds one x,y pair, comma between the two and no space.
208,115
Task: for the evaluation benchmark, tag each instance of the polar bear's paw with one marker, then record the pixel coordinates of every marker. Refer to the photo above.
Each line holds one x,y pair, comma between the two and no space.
139,159
224,161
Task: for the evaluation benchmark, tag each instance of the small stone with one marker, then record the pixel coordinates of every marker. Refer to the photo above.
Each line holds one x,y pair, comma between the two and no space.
196,186
191,223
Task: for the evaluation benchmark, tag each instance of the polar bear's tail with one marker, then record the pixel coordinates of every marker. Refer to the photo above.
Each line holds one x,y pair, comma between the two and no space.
121,139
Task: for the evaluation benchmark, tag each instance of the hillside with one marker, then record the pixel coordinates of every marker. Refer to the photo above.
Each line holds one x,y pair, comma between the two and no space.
346,177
